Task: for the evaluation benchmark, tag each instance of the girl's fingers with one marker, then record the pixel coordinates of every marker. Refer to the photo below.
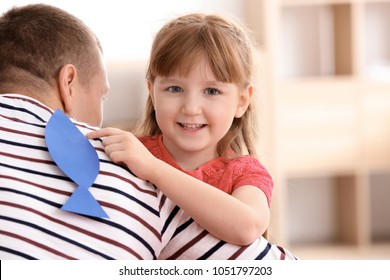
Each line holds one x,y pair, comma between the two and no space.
104,132
113,147
125,139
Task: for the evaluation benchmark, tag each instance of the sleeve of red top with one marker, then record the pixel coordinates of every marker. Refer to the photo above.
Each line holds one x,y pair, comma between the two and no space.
249,171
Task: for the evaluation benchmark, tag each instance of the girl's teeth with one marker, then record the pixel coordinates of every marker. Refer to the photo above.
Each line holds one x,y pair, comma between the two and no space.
191,126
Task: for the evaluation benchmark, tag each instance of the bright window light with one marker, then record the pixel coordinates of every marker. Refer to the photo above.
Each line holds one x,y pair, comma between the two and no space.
126,28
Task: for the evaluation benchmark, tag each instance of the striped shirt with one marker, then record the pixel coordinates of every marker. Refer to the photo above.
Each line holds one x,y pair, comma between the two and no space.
143,223
33,188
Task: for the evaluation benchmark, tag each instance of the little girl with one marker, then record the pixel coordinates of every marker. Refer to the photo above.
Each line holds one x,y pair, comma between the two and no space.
195,142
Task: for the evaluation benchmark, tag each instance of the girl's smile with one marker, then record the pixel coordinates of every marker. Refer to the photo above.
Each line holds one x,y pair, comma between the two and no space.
191,126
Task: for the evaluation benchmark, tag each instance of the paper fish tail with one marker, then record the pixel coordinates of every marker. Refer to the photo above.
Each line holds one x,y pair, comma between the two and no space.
82,202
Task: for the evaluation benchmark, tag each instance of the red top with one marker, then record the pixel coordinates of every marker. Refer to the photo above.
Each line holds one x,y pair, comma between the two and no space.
222,173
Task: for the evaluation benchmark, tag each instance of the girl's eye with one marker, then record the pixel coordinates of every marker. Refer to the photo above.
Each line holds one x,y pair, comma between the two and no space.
175,89
212,91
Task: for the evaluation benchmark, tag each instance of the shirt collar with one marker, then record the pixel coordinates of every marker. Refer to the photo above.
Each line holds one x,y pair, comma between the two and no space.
25,108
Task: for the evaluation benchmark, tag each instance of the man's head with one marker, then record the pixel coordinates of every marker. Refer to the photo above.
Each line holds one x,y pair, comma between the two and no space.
50,55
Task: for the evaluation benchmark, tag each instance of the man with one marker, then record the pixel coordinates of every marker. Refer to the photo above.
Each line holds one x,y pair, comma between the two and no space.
50,60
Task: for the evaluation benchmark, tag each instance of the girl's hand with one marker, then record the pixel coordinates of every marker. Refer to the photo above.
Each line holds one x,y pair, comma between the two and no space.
239,218
124,147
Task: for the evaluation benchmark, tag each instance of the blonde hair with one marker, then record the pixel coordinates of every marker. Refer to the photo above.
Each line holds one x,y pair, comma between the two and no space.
227,48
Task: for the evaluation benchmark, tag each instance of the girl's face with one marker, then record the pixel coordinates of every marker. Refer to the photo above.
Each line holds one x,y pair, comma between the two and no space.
195,111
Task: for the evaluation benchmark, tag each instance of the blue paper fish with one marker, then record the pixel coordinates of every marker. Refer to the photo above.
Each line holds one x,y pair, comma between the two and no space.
77,158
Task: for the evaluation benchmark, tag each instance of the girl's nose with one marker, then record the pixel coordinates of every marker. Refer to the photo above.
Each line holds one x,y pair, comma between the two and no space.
191,105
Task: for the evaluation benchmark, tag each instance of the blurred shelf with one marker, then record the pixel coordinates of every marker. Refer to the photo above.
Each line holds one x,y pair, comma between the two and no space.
327,74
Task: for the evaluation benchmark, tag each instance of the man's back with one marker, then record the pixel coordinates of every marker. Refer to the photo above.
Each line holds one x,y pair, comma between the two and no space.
33,188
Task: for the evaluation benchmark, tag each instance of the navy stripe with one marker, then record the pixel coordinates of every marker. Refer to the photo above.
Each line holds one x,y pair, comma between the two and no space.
143,204
33,124
109,162
51,203
23,145
215,248
183,227
57,236
37,172
169,220
17,253
264,252
22,110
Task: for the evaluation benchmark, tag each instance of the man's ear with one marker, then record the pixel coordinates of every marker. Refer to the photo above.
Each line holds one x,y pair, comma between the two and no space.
244,101
67,86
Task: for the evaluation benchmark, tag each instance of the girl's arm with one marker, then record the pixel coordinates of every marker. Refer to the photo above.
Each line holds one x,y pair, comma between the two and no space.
239,218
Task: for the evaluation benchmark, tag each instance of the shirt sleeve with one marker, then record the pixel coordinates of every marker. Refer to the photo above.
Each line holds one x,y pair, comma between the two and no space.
249,171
